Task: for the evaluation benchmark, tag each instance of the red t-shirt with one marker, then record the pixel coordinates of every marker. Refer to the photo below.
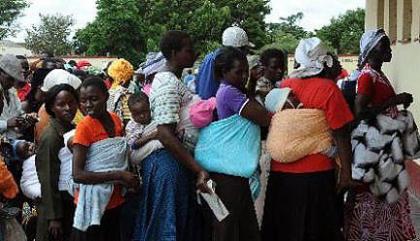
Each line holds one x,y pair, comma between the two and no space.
322,94
23,92
375,85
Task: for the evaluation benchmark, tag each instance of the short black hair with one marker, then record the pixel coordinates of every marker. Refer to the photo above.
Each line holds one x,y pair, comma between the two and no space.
137,98
96,82
225,58
52,94
268,54
172,41
72,62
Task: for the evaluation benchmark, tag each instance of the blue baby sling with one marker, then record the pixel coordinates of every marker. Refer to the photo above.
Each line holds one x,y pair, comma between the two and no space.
230,146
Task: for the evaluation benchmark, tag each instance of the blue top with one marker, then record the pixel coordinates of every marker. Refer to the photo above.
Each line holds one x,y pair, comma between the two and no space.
207,85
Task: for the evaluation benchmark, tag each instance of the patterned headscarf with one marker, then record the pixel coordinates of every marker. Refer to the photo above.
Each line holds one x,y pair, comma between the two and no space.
368,42
121,71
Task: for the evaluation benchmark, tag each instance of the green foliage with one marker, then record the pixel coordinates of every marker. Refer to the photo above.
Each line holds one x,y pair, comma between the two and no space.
51,35
344,33
10,10
131,28
287,33
115,31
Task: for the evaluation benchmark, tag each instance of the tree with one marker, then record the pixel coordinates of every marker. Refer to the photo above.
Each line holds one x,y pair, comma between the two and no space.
140,24
10,10
287,33
52,35
344,32
115,30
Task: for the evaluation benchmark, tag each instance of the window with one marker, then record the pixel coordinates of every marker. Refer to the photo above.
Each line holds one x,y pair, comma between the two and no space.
407,20
392,20
380,15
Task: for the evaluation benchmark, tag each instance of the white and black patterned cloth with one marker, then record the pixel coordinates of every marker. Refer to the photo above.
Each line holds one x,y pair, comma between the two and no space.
379,152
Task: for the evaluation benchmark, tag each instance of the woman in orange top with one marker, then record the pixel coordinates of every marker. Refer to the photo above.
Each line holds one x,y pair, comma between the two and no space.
99,124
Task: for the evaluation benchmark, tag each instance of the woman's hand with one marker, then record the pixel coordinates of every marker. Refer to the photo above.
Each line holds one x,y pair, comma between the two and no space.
404,99
129,179
201,184
55,230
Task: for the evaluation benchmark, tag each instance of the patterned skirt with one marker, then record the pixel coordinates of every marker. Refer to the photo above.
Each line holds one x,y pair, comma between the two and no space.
168,210
368,218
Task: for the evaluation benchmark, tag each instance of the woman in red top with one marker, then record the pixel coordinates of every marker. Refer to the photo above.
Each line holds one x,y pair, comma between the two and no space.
367,216
301,200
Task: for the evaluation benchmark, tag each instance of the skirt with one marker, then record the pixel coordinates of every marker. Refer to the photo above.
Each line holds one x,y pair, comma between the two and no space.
168,208
300,207
241,223
109,230
368,218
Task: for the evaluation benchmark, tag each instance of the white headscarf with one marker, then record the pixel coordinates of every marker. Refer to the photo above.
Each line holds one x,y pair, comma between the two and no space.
155,62
368,41
312,57
60,76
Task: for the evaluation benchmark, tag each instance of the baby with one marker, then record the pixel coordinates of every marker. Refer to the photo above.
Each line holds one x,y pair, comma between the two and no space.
296,132
141,131
22,150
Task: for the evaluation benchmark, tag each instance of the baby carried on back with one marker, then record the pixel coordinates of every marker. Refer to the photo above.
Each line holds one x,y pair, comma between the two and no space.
295,132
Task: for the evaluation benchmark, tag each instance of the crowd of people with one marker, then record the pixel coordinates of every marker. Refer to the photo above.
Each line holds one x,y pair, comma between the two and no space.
237,150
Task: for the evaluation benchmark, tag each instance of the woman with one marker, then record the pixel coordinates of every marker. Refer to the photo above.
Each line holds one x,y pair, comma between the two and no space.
367,216
121,72
230,148
167,206
301,195
99,165
55,208
53,78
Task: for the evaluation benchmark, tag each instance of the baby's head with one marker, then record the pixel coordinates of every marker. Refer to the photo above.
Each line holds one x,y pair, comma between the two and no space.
140,108
280,99
22,150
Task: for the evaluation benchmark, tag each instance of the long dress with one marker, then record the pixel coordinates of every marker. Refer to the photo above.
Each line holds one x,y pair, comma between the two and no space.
366,216
168,208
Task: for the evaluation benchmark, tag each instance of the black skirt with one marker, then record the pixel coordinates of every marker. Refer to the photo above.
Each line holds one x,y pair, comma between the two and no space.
241,224
301,207
109,230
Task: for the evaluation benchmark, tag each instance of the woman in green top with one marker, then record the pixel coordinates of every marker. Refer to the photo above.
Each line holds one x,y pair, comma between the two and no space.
56,207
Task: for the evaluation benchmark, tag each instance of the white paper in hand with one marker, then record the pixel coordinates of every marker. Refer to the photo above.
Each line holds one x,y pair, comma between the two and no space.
214,202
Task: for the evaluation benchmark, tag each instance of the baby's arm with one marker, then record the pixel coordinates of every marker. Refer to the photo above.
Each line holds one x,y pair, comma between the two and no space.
144,139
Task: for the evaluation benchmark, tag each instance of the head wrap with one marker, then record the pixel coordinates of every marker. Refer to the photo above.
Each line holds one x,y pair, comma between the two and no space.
368,42
121,71
11,66
15,144
60,76
236,37
312,57
155,62
253,61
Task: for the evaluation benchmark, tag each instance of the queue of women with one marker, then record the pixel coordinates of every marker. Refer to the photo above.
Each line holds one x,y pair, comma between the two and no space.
247,153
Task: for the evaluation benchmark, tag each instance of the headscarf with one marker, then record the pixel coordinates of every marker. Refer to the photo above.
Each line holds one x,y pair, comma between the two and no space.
312,57
60,76
121,71
368,42
15,144
155,62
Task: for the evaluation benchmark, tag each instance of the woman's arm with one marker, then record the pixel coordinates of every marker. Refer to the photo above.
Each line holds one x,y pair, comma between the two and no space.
80,175
362,101
166,135
257,113
342,141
